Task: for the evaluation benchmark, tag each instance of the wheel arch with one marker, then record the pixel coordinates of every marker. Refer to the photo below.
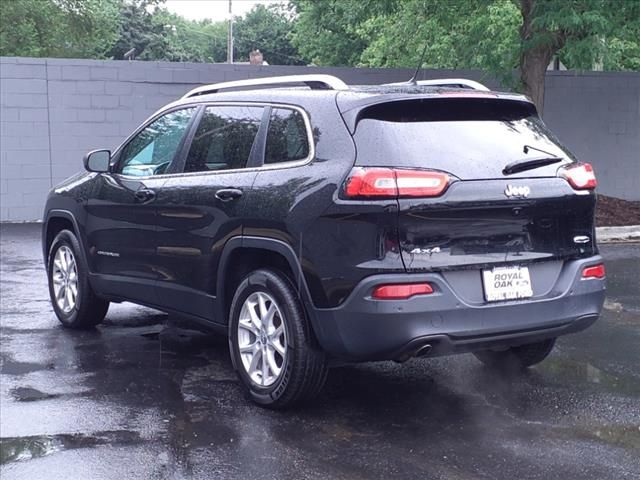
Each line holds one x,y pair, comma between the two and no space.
55,222
252,250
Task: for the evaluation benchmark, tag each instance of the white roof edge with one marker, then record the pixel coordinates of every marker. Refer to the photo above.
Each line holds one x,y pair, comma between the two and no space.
329,81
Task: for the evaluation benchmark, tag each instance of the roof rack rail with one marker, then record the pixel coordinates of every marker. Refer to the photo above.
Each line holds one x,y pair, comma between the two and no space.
448,82
314,82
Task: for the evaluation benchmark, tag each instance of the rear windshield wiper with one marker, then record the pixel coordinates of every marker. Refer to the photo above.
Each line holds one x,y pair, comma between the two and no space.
531,163
526,149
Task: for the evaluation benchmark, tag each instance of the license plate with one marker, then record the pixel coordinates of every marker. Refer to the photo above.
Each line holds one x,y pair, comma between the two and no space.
506,283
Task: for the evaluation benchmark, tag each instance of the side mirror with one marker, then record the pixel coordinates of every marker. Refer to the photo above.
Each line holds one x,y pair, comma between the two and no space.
97,161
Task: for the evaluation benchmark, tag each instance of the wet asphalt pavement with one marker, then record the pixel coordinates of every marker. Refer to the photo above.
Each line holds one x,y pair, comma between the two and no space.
144,396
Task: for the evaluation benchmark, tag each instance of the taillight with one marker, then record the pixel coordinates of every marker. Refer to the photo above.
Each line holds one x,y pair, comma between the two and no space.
401,291
371,182
392,183
581,176
594,271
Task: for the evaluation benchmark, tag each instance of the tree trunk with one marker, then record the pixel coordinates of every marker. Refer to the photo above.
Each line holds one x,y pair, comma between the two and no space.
538,48
533,68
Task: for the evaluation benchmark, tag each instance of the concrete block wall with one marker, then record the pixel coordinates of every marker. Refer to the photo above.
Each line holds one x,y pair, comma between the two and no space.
25,164
55,110
597,115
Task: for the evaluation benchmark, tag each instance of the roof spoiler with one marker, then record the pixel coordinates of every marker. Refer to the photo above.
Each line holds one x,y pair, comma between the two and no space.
354,111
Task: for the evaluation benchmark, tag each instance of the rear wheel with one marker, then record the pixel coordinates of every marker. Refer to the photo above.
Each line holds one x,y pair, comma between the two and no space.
271,342
522,356
72,298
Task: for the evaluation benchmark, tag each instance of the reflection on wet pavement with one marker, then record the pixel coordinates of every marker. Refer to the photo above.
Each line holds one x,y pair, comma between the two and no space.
147,396
26,448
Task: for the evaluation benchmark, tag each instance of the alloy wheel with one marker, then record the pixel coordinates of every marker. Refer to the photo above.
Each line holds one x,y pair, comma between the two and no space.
64,277
262,338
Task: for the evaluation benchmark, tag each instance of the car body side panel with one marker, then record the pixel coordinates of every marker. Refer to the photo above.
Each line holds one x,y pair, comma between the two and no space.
193,227
121,235
288,202
351,241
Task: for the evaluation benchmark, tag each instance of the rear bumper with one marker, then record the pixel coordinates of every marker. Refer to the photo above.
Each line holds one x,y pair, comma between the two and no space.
364,329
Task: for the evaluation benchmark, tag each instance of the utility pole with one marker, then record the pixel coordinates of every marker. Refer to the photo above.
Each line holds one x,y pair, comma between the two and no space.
230,37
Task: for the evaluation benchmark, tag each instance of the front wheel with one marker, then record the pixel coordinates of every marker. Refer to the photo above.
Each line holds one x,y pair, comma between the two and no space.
271,342
72,298
522,356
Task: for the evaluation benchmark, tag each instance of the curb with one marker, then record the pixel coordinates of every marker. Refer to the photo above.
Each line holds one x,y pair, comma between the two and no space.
628,234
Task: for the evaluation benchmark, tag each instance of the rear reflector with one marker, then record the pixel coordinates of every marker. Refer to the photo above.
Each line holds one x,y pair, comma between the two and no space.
581,176
401,291
595,271
392,183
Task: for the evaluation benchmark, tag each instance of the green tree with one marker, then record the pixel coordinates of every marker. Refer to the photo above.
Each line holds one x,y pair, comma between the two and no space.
58,28
157,34
328,31
183,40
266,29
580,31
470,34
498,36
136,28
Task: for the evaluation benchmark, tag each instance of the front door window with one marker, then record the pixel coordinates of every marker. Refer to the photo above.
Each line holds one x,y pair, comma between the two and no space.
152,150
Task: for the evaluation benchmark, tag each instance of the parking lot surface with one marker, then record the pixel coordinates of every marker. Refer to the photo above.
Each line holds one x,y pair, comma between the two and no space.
145,396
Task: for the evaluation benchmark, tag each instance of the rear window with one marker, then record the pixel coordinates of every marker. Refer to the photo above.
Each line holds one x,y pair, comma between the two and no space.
224,138
469,138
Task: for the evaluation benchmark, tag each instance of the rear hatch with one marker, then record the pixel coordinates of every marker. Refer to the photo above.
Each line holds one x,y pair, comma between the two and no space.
485,217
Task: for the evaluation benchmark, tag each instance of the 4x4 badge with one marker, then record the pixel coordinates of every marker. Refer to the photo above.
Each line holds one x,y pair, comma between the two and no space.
519,192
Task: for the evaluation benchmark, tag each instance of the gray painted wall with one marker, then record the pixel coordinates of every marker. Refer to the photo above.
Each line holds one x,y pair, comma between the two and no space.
54,110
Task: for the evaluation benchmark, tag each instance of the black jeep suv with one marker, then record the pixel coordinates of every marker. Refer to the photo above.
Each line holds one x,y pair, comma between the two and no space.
335,224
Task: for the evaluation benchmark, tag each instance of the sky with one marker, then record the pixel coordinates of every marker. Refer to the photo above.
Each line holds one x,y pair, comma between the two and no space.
215,10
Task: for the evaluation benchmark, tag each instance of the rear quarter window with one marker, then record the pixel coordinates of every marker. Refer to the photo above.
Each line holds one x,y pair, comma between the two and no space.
287,139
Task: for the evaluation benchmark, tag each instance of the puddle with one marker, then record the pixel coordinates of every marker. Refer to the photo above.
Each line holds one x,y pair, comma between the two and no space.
623,436
9,366
28,394
613,305
577,372
15,449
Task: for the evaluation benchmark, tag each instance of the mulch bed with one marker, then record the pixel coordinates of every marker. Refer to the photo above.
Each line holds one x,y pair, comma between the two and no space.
615,212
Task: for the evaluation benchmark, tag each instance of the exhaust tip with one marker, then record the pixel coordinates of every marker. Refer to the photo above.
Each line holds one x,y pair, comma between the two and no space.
423,351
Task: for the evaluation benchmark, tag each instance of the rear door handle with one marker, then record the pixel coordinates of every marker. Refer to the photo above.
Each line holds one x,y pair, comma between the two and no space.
144,195
227,194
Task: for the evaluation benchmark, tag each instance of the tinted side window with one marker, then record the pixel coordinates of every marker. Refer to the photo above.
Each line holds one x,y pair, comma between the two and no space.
287,138
152,150
224,138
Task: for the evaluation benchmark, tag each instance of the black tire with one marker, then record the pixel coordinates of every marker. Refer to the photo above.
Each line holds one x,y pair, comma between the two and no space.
304,367
522,356
88,309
